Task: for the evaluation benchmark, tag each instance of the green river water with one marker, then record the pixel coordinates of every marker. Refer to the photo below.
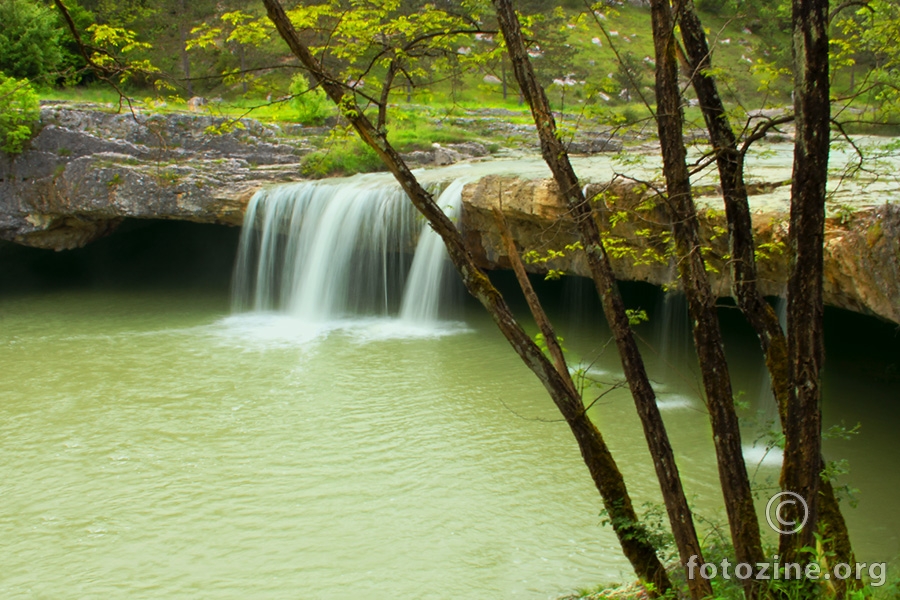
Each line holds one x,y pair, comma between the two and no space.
153,445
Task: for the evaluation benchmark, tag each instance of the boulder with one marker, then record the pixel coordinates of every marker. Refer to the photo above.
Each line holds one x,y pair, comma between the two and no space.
594,145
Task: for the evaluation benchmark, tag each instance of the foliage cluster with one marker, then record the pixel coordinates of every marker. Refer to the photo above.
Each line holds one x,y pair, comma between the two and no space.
342,155
342,152
311,104
19,110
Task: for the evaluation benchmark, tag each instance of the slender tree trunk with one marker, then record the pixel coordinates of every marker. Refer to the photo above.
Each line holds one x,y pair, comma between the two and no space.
701,302
596,455
385,95
531,297
242,55
758,312
737,208
555,155
185,58
803,434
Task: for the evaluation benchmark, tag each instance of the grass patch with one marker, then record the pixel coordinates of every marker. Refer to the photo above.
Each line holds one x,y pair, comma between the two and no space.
344,154
341,157
415,130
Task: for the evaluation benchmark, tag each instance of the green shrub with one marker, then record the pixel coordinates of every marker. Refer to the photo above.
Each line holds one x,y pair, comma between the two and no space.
422,133
346,156
19,110
713,7
312,104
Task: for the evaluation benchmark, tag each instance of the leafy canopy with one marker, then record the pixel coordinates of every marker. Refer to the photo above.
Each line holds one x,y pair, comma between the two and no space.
30,40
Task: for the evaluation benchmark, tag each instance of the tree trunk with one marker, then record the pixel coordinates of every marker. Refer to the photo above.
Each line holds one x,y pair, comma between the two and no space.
241,53
385,95
758,312
534,304
185,58
803,435
701,302
603,469
555,155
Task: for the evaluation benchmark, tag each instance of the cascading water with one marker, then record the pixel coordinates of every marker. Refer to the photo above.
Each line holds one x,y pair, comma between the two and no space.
767,408
427,283
326,251
672,331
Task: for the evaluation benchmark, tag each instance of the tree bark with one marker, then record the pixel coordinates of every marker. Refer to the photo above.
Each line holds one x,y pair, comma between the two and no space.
385,95
601,465
185,58
531,297
701,302
758,312
557,159
803,435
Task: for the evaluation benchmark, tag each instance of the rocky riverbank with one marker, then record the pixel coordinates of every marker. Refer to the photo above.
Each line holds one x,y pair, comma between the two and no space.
86,171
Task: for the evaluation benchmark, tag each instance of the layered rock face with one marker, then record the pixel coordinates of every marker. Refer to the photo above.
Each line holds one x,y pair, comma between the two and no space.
862,250
87,170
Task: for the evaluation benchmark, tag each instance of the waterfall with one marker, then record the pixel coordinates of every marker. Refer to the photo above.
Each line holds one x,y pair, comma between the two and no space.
427,282
768,408
327,251
673,334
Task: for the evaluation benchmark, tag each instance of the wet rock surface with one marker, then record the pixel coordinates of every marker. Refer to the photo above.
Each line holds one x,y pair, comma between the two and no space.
86,170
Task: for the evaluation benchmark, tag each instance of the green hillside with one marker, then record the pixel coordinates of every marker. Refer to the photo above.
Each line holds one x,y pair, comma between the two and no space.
596,65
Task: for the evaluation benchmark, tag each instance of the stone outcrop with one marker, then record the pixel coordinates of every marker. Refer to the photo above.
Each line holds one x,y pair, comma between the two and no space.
87,170
446,155
862,249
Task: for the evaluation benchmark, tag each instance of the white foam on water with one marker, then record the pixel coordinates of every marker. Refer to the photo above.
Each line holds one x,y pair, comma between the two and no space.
394,329
762,456
674,402
271,330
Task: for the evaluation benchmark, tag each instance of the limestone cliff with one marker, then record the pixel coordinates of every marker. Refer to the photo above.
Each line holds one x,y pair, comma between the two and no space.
87,170
862,249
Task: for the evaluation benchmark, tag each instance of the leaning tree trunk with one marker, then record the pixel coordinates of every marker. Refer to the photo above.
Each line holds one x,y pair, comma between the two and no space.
595,453
701,301
758,312
557,159
803,435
